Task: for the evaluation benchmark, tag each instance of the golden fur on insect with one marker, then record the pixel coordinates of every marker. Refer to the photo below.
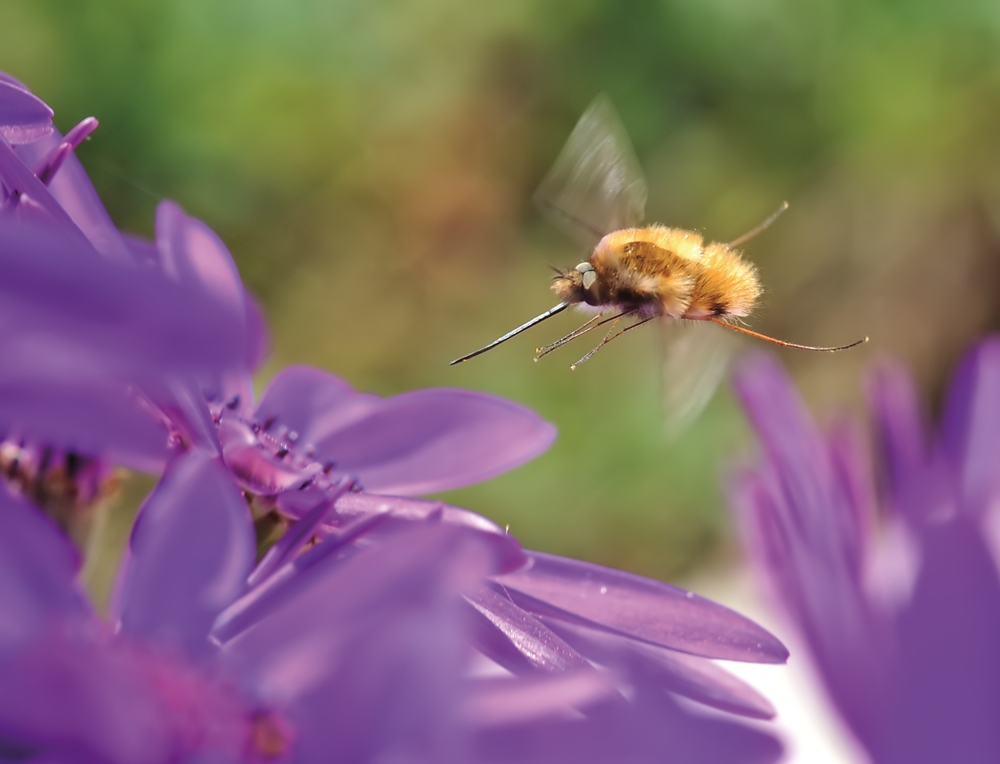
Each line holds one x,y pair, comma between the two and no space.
662,271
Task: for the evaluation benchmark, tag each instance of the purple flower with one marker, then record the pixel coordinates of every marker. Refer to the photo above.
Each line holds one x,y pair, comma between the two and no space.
902,620
98,341
356,648
311,425
357,635
311,437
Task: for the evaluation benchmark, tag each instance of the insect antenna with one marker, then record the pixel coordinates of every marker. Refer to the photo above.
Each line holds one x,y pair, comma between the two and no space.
759,229
782,343
514,332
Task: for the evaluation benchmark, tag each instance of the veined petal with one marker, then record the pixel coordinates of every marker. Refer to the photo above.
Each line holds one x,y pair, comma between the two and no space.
691,676
191,551
640,608
515,639
436,440
311,403
506,548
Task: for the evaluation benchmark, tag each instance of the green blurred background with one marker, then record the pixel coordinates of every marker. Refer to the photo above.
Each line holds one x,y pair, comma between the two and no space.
371,165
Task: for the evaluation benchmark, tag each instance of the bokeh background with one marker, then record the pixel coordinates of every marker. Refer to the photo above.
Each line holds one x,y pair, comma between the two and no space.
371,166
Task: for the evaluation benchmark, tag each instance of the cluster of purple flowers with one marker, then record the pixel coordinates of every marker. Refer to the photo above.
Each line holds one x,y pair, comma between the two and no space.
901,613
281,597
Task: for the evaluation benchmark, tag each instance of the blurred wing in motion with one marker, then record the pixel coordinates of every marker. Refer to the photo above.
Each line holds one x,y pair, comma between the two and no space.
596,185
695,358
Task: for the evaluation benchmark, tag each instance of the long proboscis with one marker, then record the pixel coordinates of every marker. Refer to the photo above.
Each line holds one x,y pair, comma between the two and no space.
784,344
514,332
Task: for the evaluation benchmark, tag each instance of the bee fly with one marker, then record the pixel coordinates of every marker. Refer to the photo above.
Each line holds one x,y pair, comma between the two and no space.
597,188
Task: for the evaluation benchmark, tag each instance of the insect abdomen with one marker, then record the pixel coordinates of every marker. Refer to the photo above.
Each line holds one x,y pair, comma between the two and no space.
727,285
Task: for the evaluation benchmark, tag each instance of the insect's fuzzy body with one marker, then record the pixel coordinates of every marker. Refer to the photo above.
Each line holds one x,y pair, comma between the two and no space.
660,271
596,187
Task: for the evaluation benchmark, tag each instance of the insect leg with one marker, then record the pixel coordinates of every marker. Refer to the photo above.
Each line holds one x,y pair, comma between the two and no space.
578,332
610,336
759,229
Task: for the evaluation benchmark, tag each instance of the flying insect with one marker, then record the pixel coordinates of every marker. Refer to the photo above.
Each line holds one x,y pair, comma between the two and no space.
597,189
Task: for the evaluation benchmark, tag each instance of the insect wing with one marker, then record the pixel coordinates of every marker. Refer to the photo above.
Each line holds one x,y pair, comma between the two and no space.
695,357
596,185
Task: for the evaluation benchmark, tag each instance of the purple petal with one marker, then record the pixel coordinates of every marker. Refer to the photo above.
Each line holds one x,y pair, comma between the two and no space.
48,395
38,567
397,687
851,475
79,699
187,412
498,703
143,251
192,254
297,536
379,523
75,194
654,728
191,550
971,431
787,435
32,195
435,440
300,643
311,402
946,677
125,316
373,643
77,695
73,191
696,678
802,522
50,164
640,608
503,546
269,588
515,639
23,116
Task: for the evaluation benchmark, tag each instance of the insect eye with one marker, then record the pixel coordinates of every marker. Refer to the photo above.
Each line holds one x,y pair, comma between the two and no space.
585,267
589,277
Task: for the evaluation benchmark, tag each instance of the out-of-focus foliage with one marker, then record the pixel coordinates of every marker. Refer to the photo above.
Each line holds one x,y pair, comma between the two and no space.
371,167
